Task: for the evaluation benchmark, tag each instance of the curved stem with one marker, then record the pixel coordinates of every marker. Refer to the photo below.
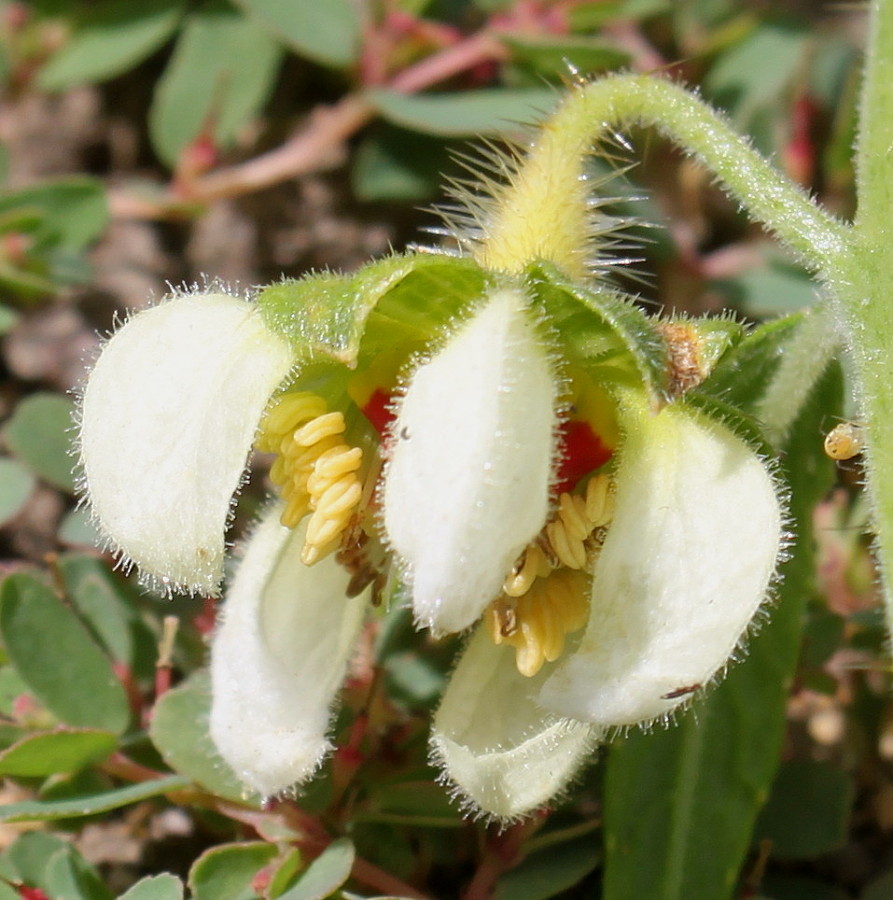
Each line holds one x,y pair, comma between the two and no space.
541,210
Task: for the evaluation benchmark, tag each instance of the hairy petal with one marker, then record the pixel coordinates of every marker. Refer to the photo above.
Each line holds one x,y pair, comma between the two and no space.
168,416
278,659
467,485
504,755
687,562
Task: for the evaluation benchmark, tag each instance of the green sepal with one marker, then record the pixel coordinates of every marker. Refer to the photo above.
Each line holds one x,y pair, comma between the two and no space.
599,329
401,299
742,374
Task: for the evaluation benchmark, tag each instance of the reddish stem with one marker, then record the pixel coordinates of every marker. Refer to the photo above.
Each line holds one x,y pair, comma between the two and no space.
318,144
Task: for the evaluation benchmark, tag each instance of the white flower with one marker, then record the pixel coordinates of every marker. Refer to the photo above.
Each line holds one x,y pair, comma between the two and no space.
167,419
615,554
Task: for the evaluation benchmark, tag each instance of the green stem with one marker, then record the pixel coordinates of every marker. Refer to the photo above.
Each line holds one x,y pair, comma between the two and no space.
863,282
528,222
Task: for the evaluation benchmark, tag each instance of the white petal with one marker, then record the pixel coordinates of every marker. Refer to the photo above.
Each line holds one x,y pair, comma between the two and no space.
168,417
687,562
278,659
505,756
467,485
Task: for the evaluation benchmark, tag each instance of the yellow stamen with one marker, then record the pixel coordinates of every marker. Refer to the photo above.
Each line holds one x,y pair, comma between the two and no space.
545,596
537,624
316,471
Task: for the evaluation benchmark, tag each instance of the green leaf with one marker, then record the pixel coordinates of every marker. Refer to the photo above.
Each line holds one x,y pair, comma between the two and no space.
16,484
101,603
325,874
776,288
419,803
30,854
549,56
222,70
8,318
179,730
109,38
56,751
37,810
39,433
328,32
550,872
77,529
155,887
70,877
227,871
661,789
808,810
483,113
73,210
395,164
754,72
58,659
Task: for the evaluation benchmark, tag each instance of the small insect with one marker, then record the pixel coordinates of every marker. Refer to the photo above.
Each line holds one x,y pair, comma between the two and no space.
844,441
681,691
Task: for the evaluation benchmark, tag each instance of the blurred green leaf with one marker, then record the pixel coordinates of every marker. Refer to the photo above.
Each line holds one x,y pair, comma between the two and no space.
77,529
328,32
39,433
325,874
56,751
58,659
227,871
29,856
8,318
395,164
662,789
69,875
553,57
73,210
38,810
551,871
755,71
411,802
16,484
782,886
776,288
101,603
808,810
11,686
879,888
285,872
483,113
179,730
591,16
221,72
155,887
109,37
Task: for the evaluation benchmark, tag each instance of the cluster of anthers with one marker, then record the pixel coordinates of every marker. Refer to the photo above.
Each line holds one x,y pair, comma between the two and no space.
315,469
544,598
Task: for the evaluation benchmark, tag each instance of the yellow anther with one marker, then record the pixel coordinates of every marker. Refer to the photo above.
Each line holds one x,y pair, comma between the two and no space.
531,564
537,624
322,427
316,471
545,596
600,500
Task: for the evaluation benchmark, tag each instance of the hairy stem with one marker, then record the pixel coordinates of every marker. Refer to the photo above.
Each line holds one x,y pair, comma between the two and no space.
543,209
863,284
